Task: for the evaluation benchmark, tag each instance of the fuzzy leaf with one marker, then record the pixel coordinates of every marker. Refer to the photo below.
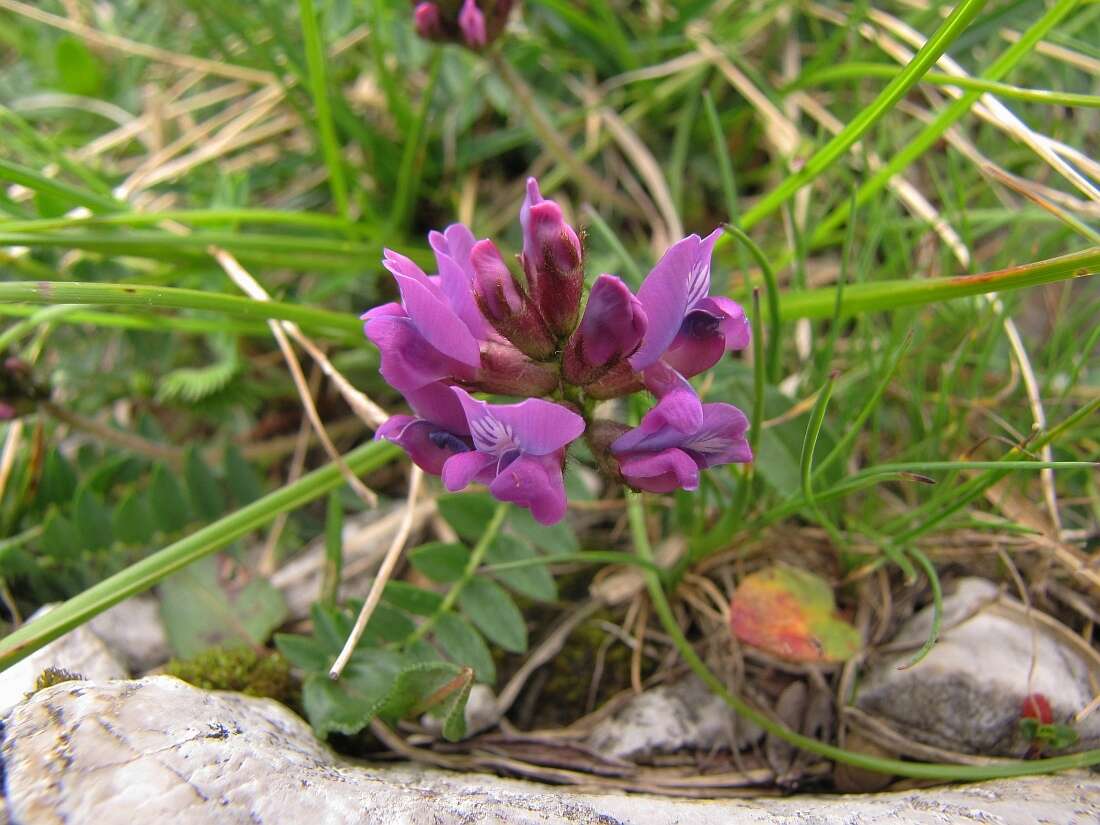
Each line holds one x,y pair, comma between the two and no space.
462,644
167,501
131,520
415,600
468,513
58,483
92,520
304,652
493,612
348,704
535,582
440,562
206,494
200,613
241,477
60,540
791,614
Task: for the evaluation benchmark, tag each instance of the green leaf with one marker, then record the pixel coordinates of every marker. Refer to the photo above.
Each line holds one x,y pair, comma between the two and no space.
535,581
167,501
387,624
493,612
415,600
241,477
79,71
431,686
199,613
468,513
556,538
304,652
60,540
58,483
440,562
131,520
348,704
331,626
92,520
206,495
462,644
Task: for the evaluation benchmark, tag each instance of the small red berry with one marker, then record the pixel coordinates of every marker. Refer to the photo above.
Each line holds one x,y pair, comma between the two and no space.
1035,706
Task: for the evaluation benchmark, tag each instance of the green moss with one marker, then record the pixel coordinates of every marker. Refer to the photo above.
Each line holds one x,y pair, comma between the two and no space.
54,676
241,669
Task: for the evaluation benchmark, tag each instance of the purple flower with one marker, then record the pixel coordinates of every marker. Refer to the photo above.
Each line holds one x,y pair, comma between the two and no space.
437,431
471,24
611,329
689,330
437,332
424,338
518,452
553,260
503,302
678,438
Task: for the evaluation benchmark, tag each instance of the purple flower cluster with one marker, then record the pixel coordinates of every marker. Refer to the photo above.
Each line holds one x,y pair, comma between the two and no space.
474,327
468,23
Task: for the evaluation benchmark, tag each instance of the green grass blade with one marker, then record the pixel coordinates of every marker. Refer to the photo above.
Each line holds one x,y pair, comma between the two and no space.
139,577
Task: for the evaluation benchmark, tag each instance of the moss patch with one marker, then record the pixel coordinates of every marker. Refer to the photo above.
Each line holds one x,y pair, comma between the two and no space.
240,669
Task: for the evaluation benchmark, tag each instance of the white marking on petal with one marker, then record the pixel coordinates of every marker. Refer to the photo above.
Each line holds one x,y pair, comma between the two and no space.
709,442
698,282
492,436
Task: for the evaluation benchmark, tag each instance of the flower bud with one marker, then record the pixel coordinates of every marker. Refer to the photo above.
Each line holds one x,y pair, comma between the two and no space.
553,261
505,305
611,329
470,23
427,22
507,371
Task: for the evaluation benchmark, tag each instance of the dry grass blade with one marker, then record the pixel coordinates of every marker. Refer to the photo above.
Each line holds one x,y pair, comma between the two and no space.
385,570
123,44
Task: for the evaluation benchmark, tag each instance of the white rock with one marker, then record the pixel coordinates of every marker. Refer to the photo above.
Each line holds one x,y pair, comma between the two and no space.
966,694
80,651
133,630
669,718
158,750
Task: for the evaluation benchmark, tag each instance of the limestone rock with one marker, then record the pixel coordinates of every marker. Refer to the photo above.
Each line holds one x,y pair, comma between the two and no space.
133,630
79,651
669,718
966,694
158,750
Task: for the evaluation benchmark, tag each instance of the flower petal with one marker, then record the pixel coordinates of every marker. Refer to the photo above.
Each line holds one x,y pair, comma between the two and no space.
660,472
674,419
664,297
613,324
699,275
534,426
438,322
732,323
534,482
462,468
436,403
428,445
472,23
408,360
720,439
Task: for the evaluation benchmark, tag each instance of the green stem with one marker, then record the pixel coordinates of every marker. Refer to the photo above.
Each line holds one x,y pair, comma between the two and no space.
318,87
897,767
963,14
161,297
476,556
931,134
862,71
149,571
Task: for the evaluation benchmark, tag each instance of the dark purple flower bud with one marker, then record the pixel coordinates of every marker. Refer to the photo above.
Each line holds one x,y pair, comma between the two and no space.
688,329
427,22
678,438
518,452
472,23
469,23
553,260
610,331
505,305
